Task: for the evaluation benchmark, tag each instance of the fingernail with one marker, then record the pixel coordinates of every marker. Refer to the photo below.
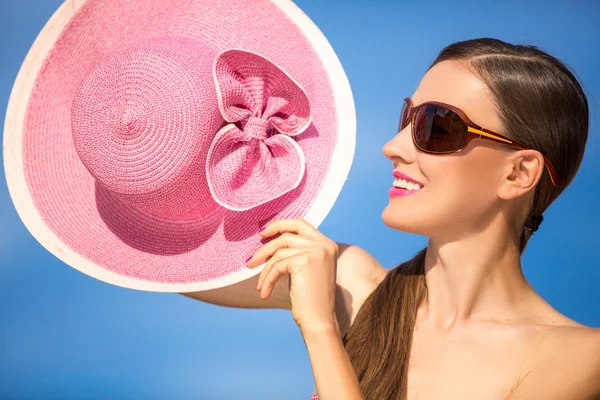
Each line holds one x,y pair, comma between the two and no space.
249,258
262,229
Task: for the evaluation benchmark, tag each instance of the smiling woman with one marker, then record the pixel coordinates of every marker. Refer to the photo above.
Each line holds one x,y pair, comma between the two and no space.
462,307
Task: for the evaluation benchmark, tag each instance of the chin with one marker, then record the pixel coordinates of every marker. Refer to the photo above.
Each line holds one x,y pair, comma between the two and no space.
403,222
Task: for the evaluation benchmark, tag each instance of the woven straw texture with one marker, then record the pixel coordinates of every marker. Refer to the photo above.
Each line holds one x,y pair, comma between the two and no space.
109,170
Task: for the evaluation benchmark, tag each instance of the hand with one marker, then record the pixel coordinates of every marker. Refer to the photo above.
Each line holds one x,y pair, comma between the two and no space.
310,258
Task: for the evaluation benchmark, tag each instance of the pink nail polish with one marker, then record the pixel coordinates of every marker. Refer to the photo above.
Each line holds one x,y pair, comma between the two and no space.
249,258
262,229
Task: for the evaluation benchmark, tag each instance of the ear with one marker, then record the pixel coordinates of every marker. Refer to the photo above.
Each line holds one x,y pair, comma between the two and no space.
524,169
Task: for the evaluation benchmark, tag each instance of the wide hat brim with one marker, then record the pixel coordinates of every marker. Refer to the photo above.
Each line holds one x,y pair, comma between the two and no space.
83,224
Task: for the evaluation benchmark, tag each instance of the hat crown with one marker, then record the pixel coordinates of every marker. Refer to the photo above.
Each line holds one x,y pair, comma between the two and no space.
176,129
142,122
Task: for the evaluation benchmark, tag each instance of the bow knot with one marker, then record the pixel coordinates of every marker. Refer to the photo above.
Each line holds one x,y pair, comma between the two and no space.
256,127
248,167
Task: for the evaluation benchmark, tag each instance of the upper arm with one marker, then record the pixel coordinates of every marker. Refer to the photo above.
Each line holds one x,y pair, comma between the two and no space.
358,275
244,295
570,370
356,270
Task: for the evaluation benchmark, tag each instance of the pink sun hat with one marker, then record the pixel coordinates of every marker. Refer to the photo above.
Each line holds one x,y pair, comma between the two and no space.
147,141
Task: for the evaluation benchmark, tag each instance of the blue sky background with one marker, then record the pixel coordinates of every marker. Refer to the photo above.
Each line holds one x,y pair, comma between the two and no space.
64,335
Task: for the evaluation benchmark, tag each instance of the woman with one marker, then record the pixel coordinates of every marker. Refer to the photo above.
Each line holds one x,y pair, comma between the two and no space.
492,135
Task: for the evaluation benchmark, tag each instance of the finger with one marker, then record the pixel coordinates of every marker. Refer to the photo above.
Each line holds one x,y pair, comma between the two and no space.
279,269
278,256
287,240
296,226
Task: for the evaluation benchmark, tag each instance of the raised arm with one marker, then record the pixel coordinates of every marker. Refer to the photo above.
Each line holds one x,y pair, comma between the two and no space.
358,273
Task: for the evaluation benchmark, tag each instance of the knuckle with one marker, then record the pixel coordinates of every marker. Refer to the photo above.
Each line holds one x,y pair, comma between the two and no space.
286,236
268,247
271,262
333,247
323,248
269,279
278,266
304,258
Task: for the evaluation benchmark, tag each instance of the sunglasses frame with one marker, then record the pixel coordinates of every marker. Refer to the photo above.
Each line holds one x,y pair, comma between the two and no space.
474,131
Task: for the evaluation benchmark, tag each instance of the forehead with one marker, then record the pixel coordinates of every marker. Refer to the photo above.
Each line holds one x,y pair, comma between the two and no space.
453,83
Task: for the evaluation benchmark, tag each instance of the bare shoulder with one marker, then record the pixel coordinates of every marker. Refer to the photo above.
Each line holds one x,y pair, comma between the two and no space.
357,267
566,364
358,274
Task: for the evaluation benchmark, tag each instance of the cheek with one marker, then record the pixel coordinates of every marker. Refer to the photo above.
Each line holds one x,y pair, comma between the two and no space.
467,190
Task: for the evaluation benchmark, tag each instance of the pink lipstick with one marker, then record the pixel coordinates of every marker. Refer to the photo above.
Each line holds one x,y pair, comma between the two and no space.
398,191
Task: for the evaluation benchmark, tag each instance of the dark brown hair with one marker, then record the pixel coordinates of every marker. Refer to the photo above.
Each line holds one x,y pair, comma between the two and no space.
542,106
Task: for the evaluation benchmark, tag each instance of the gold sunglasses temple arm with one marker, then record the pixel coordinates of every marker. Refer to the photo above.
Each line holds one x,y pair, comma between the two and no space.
489,135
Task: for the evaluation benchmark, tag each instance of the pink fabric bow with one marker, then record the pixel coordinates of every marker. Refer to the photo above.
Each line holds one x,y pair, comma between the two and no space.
253,159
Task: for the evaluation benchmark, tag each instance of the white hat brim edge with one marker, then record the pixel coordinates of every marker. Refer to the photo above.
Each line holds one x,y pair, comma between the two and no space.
341,160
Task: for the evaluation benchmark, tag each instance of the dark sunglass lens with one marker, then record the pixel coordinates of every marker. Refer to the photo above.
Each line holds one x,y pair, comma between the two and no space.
439,130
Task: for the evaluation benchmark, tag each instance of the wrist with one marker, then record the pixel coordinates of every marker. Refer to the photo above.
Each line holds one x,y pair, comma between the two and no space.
320,330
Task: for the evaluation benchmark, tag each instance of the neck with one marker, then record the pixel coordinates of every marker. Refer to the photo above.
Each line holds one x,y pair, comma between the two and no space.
476,277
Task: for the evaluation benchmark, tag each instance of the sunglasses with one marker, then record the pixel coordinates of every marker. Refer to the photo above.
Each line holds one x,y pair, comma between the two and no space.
439,128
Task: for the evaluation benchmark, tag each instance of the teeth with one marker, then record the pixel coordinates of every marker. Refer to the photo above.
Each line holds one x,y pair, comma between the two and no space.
404,184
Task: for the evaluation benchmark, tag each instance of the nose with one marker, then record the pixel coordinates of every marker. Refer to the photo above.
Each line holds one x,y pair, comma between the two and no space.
401,147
